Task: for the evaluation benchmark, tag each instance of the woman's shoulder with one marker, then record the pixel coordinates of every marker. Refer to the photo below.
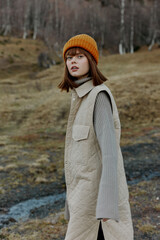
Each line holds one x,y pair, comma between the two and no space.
102,88
103,98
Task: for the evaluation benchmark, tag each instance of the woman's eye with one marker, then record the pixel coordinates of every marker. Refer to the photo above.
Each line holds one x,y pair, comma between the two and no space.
80,56
69,58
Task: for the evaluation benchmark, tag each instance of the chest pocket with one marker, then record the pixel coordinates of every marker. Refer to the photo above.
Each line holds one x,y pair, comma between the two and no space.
80,132
79,151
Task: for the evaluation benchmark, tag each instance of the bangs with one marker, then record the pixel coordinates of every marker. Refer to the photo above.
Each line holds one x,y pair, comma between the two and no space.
72,51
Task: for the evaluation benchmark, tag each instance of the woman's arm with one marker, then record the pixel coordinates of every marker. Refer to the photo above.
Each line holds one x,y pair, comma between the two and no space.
107,201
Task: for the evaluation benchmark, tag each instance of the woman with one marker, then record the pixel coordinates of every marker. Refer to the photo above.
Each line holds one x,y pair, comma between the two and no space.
97,204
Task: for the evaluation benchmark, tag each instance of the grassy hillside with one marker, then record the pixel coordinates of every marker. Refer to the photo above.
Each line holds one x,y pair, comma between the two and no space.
31,101
33,111
33,118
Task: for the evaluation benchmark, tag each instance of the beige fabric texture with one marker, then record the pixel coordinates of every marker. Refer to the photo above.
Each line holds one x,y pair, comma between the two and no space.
83,165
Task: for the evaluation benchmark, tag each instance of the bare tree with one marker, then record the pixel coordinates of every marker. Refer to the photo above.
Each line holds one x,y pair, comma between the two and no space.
57,18
117,25
132,27
122,49
7,27
26,18
154,24
102,25
2,17
37,4
93,19
62,27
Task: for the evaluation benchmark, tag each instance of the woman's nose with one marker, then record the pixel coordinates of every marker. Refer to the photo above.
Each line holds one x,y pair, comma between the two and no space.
74,60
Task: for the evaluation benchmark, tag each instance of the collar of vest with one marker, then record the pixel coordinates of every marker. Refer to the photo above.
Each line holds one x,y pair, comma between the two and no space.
85,88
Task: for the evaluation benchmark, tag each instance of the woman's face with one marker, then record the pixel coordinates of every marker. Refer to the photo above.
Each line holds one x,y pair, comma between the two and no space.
78,65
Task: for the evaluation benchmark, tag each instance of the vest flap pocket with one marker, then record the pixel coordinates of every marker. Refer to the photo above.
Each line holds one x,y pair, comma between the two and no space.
80,132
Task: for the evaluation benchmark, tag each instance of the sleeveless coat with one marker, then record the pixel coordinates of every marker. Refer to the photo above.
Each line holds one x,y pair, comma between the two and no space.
83,166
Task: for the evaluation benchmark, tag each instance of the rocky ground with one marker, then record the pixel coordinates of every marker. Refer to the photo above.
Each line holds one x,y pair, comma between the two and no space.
47,222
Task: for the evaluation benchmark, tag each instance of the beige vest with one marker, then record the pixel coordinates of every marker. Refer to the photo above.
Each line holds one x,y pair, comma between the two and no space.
83,171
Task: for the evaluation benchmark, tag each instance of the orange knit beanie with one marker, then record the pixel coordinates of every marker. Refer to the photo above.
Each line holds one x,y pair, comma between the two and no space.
83,41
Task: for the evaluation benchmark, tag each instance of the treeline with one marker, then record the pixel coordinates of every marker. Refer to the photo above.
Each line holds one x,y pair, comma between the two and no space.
117,25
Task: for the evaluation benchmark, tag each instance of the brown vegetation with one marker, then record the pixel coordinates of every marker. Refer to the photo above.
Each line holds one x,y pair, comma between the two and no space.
33,117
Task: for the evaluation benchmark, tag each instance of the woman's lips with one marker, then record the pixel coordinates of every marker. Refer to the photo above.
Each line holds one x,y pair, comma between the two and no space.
74,69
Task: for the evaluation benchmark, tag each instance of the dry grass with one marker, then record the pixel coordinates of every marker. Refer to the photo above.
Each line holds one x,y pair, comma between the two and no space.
20,50
52,227
134,81
147,228
144,200
31,102
33,118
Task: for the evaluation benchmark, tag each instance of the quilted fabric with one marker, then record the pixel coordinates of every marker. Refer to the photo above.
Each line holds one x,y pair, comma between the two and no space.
83,171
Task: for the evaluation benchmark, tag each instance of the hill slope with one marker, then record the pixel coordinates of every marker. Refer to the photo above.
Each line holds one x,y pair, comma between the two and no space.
31,101
33,117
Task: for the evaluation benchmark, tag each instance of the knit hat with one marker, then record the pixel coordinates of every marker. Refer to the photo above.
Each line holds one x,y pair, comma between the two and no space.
83,41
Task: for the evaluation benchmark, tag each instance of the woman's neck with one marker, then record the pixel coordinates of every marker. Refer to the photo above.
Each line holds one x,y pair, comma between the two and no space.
82,80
